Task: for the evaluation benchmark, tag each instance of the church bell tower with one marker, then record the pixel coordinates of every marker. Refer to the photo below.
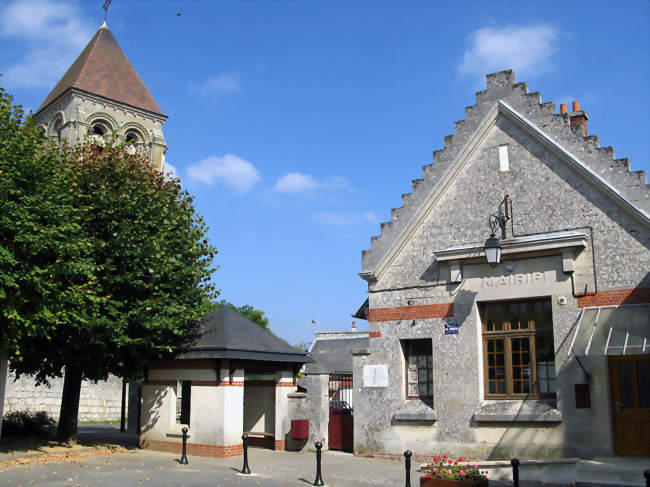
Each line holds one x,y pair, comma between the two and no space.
101,94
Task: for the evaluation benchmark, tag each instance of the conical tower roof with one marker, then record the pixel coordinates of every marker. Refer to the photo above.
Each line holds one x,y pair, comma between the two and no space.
103,69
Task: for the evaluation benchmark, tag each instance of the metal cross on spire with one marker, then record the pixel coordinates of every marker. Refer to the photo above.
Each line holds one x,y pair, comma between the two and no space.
107,4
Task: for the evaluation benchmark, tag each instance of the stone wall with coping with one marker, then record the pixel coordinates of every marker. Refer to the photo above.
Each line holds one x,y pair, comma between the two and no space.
313,406
101,401
548,196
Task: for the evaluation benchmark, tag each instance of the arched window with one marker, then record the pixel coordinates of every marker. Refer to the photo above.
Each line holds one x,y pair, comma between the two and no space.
99,128
56,129
132,137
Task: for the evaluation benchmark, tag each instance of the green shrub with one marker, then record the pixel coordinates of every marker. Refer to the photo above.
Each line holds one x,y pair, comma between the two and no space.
27,423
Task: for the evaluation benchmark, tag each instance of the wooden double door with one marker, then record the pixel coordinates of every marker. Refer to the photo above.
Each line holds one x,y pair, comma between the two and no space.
630,396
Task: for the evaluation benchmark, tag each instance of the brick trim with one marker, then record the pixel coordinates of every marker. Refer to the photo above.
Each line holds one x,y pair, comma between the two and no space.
285,384
280,445
374,334
197,449
235,383
637,295
443,310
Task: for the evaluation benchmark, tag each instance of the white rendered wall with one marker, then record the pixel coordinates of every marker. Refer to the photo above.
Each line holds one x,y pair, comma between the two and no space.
259,408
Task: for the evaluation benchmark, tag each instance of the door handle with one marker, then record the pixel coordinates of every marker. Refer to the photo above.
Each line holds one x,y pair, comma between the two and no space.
618,406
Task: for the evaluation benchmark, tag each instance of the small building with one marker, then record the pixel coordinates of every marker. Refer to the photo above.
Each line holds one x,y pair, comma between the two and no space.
233,378
328,402
509,295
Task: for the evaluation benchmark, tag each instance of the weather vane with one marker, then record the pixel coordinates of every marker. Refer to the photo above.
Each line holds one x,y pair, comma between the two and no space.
107,4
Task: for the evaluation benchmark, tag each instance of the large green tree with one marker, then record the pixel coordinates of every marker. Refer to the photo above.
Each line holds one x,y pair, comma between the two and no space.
150,266
45,268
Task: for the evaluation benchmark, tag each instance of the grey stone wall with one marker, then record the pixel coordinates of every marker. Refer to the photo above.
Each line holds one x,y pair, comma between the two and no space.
548,196
99,402
314,406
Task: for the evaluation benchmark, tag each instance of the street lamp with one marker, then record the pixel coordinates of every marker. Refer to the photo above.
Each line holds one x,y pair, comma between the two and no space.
493,250
492,245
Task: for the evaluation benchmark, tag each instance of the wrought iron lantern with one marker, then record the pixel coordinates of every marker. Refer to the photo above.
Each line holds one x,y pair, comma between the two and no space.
493,250
492,245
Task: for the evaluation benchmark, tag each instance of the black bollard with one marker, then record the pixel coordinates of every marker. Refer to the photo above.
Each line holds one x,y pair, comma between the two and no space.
184,455
245,468
515,472
646,474
407,455
319,479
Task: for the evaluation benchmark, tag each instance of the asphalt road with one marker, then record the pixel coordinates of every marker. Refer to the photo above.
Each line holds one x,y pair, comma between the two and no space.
148,468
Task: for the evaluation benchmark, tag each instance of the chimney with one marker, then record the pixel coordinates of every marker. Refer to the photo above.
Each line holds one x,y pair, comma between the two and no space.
577,116
354,325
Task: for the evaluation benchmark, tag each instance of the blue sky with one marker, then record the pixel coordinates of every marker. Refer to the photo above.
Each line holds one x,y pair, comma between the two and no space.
298,125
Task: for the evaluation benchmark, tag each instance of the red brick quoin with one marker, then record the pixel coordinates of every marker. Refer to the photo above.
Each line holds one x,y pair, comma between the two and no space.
637,295
444,310
374,334
196,449
280,445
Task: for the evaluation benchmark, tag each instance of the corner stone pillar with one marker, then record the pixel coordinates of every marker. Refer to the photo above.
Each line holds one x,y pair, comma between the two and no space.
228,409
283,387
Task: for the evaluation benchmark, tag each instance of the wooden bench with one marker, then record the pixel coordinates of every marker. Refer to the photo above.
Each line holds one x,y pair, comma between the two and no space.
261,438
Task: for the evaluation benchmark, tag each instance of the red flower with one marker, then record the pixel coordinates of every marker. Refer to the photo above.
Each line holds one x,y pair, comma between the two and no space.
429,475
444,457
450,462
460,459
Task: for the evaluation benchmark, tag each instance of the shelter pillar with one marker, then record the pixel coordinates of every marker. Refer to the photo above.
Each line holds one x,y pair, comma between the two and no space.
229,409
283,387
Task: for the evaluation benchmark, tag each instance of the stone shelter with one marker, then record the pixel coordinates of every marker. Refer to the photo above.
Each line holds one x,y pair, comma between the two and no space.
509,296
234,377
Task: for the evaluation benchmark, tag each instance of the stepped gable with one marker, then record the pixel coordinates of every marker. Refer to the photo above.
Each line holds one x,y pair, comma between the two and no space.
502,86
103,69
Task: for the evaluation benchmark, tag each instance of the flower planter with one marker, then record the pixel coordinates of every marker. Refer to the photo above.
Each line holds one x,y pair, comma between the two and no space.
433,482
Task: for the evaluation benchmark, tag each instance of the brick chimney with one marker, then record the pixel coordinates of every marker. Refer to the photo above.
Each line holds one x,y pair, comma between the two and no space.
577,116
354,326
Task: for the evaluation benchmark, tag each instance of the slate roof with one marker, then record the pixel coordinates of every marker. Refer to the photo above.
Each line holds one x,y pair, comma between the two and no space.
103,69
334,356
227,334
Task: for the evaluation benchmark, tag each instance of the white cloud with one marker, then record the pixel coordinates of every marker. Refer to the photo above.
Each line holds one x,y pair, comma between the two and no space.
229,169
345,218
170,171
217,85
53,34
527,50
295,182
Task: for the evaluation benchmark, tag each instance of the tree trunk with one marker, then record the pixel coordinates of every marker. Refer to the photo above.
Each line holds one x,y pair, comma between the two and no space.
69,405
3,382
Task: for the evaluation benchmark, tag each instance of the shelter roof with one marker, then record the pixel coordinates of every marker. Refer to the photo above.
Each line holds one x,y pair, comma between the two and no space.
103,69
334,355
227,334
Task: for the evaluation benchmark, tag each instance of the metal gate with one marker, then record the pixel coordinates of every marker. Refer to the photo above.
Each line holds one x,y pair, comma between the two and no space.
341,422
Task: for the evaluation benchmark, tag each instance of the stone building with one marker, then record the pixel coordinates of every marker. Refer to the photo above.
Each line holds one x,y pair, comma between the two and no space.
545,351
100,95
325,397
233,378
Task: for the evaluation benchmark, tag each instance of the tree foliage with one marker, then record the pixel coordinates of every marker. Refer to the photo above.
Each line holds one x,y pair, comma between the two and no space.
249,312
104,263
45,271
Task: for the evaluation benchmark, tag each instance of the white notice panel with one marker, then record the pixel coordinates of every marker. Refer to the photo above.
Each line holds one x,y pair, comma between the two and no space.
375,376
